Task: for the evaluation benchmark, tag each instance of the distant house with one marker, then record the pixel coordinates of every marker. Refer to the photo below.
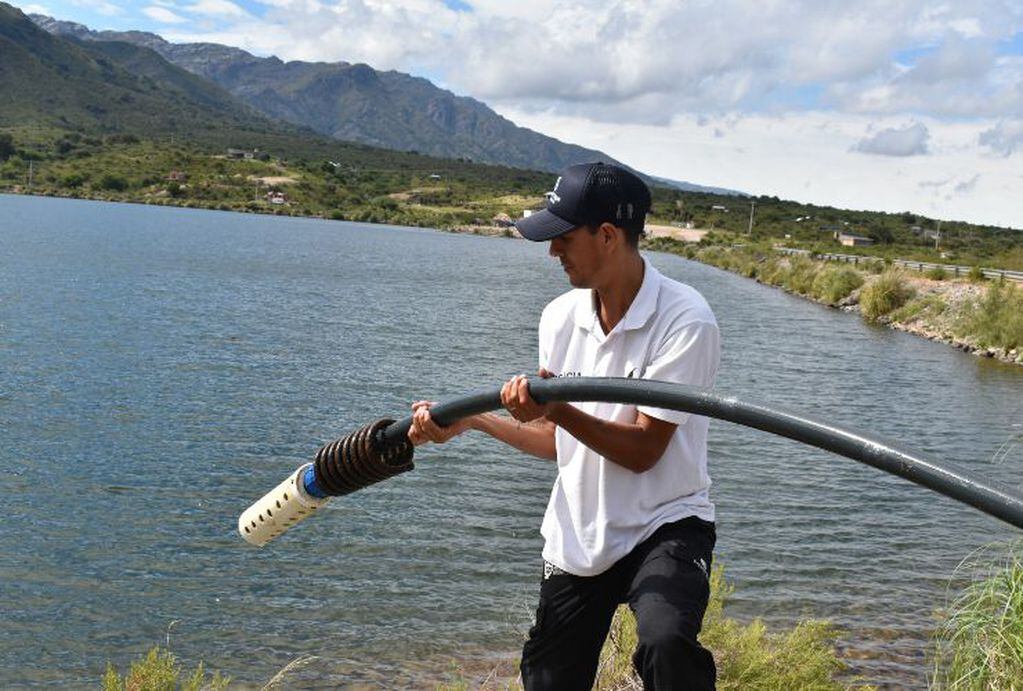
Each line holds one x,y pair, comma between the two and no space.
853,240
434,176
276,198
719,207
248,154
177,176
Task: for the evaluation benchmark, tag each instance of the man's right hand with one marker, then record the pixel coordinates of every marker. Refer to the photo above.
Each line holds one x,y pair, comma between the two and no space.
424,429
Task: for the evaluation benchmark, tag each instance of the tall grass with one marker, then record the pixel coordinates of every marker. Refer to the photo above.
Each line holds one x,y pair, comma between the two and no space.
801,274
996,320
980,643
747,655
887,293
159,670
836,283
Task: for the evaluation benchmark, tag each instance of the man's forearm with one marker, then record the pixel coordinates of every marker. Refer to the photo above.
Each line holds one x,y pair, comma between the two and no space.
535,438
630,445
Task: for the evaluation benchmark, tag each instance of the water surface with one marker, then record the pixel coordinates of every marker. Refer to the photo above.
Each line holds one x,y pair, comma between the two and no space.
161,368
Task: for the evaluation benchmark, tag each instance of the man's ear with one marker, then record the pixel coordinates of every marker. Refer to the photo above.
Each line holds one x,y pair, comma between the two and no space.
609,234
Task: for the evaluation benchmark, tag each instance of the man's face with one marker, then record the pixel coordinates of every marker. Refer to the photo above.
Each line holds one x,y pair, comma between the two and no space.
579,252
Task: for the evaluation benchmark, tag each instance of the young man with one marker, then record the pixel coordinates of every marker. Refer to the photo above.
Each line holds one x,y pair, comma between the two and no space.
629,518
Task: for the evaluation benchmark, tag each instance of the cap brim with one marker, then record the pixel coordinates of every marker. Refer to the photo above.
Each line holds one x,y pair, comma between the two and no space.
542,226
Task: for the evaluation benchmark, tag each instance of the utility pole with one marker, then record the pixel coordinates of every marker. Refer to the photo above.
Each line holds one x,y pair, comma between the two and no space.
752,206
31,173
937,235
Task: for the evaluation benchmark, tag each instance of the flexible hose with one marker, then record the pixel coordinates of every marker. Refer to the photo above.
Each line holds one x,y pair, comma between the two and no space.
382,450
956,483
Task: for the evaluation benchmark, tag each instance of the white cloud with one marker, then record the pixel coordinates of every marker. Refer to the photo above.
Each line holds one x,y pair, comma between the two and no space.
910,140
809,157
162,14
107,9
1004,138
35,9
218,8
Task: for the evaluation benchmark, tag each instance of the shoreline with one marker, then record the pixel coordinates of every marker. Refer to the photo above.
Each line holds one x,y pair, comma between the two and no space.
680,242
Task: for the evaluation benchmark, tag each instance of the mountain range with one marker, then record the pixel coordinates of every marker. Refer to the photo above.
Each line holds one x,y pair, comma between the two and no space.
137,81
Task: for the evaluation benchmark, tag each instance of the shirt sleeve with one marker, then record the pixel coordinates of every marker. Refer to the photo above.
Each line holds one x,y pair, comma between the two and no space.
690,355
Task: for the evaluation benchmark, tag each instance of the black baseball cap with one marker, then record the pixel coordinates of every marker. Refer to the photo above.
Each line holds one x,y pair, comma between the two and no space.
589,194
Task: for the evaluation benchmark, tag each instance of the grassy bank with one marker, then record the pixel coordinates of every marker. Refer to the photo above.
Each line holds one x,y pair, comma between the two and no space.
978,645
971,313
326,178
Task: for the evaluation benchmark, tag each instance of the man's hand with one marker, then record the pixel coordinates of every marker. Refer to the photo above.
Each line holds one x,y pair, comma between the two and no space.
517,401
424,429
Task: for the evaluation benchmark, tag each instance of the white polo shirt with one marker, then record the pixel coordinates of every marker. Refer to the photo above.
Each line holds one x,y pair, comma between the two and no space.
599,511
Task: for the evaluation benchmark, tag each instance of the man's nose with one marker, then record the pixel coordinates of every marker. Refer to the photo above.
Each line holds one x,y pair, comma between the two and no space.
555,248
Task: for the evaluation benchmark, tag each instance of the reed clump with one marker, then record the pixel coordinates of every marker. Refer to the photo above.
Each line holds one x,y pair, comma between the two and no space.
886,293
995,320
836,283
980,643
747,656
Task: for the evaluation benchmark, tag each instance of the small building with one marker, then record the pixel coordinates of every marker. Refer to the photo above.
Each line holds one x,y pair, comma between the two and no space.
719,207
853,240
248,154
177,176
434,176
277,198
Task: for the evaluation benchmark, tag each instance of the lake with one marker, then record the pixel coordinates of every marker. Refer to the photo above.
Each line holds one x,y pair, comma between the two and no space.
162,368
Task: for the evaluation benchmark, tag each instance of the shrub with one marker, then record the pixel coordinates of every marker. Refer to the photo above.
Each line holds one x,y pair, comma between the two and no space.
996,320
73,180
926,306
875,267
936,273
976,275
114,183
835,283
159,670
980,643
747,656
888,292
801,275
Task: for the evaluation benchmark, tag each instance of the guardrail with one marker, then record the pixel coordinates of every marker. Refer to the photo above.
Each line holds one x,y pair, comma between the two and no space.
954,269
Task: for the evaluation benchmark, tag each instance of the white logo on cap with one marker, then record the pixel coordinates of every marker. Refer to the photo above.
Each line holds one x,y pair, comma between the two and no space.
552,196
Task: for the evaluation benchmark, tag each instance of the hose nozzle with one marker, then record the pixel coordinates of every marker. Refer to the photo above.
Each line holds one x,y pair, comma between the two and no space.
343,466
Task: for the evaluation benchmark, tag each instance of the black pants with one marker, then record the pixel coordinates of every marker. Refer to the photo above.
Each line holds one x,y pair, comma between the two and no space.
664,580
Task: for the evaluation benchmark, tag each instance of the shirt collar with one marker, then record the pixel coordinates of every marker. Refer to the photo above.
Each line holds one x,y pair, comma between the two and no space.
636,316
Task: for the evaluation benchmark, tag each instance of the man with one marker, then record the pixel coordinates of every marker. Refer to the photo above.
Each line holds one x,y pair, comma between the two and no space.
629,517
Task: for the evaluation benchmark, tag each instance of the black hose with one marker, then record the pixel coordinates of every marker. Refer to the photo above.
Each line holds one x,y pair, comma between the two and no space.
956,483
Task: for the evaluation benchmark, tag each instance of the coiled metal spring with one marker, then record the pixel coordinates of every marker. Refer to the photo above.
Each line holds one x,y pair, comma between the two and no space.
360,460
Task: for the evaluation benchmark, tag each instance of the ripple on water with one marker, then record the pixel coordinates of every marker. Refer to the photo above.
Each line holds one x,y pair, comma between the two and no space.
161,368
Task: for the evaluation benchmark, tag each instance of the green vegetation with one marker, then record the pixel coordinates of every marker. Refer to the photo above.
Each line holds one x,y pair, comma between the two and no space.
159,670
343,182
834,283
936,274
885,294
979,645
926,307
996,320
747,655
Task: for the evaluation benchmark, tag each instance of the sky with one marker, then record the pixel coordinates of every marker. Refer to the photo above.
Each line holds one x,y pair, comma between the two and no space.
891,105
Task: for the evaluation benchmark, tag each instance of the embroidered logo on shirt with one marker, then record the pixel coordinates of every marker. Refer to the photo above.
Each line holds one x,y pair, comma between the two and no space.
550,569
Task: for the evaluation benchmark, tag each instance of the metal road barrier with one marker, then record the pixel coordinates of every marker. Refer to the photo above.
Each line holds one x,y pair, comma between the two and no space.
954,269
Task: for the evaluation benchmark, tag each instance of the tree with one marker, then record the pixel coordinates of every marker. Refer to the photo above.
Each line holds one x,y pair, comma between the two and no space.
6,146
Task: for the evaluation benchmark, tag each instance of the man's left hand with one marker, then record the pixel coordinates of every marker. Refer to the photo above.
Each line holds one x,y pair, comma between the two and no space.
517,401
